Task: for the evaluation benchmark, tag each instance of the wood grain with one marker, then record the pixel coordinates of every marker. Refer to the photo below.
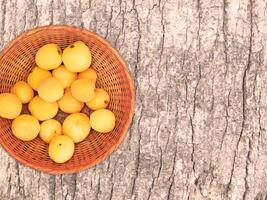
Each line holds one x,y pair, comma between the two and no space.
199,129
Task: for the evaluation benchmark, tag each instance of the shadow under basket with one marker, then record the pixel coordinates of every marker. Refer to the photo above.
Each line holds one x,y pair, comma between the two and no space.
16,62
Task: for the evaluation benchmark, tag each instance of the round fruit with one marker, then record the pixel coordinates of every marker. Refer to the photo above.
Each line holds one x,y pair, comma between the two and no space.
77,57
23,91
36,76
51,90
64,75
41,109
10,106
49,129
83,89
25,127
89,74
100,100
61,148
69,104
48,56
77,126
102,120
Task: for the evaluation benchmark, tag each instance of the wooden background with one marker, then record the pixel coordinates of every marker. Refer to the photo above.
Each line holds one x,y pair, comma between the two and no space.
200,124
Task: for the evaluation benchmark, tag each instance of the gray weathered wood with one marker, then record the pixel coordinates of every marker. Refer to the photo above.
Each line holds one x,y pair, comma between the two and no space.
199,130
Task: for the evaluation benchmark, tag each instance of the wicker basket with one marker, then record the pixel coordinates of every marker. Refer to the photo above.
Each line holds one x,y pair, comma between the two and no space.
16,62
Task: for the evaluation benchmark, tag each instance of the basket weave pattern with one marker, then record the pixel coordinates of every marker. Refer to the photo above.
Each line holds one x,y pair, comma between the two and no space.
16,62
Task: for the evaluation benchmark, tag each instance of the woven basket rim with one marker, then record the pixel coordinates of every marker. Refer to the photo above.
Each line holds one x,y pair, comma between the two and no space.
132,92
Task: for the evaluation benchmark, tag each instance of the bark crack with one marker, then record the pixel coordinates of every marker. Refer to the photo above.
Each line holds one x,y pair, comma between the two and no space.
226,119
142,106
170,188
122,23
151,188
138,47
36,13
109,20
52,12
224,31
244,92
74,178
212,98
112,186
248,160
160,163
259,122
98,188
193,143
138,155
9,180
171,179
195,91
52,187
199,48
39,178
20,186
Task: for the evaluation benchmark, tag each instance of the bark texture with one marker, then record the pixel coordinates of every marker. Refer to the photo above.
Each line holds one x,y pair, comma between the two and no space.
200,124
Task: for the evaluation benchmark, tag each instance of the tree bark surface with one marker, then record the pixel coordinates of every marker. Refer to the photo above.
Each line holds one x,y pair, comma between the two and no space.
200,125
